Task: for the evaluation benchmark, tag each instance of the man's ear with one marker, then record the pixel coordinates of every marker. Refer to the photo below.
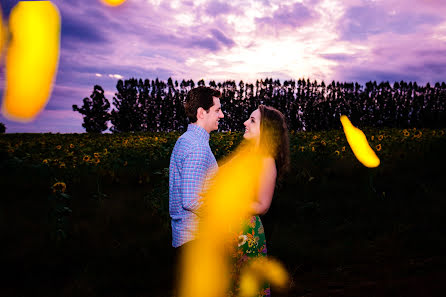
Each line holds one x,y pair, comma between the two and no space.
200,112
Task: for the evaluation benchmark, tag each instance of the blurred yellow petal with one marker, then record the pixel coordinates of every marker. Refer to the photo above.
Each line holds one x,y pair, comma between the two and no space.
358,142
113,2
261,270
3,32
32,59
228,199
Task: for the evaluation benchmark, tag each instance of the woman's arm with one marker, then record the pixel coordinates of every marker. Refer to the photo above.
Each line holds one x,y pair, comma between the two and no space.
267,184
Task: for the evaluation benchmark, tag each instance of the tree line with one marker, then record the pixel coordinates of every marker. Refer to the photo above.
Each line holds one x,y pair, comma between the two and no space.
155,105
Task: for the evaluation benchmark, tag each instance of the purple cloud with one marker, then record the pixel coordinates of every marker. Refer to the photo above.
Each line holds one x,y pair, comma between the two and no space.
293,16
338,57
216,8
222,38
360,22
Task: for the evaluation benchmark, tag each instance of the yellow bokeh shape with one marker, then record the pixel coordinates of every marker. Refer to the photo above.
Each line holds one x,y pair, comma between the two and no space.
113,2
32,58
2,34
206,264
259,270
359,144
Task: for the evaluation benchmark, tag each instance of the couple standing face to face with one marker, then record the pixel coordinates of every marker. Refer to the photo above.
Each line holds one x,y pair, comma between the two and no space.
208,119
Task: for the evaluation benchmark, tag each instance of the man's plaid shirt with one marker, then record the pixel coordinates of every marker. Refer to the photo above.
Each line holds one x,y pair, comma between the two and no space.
192,164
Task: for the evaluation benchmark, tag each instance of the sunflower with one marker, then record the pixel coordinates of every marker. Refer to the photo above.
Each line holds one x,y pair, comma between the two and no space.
97,160
418,135
125,163
62,165
96,155
86,158
378,147
59,187
45,161
337,153
406,133
71,145
312,149
315,137
372,137
302,148
323,143
58,147
343,149
380,137
105,151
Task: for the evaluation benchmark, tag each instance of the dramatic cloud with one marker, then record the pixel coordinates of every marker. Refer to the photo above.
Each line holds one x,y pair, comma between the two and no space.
341,40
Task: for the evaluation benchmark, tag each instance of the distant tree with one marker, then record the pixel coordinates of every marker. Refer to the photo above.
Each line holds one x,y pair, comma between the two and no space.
2,128
95,111
128,116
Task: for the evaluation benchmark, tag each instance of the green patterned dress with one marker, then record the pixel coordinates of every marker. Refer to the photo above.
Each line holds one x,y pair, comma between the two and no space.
249,243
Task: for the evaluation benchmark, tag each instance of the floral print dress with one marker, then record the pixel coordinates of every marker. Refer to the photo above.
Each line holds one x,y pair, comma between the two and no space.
249,243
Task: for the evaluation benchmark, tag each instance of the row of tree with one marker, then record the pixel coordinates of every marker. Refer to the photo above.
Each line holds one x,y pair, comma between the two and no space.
154,105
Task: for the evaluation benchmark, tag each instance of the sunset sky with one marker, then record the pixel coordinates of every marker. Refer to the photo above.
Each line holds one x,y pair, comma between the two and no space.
341,40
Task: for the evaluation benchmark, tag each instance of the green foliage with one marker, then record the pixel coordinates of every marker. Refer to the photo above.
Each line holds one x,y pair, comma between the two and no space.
95,111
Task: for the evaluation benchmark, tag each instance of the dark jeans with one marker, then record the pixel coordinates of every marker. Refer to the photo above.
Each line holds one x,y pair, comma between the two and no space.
176,271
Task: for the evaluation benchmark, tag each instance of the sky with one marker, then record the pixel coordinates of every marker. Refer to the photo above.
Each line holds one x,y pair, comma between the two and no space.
341,40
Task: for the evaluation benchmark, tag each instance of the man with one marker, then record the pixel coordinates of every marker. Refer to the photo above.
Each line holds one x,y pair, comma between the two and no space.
192,164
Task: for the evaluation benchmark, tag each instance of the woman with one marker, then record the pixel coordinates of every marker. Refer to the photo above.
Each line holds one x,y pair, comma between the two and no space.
265,129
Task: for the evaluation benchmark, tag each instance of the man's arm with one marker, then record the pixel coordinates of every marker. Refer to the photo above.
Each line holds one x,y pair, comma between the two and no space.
193,175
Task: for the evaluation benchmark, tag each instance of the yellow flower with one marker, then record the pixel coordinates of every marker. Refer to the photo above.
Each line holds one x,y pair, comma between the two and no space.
302,148
59,187
96,155
433,132
406,133
441,133
315,137
378,147
45,161
323,143
58,147
418,135
86,158
231,143
97,160
71,145
312,149
156,138
343,149
62,165
337,153
126,141
105,151
380,137
372,137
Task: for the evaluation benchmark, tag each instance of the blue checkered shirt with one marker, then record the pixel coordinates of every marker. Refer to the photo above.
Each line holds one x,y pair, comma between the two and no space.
192,165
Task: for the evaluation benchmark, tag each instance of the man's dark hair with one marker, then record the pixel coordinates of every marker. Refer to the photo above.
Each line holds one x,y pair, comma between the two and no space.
199,97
